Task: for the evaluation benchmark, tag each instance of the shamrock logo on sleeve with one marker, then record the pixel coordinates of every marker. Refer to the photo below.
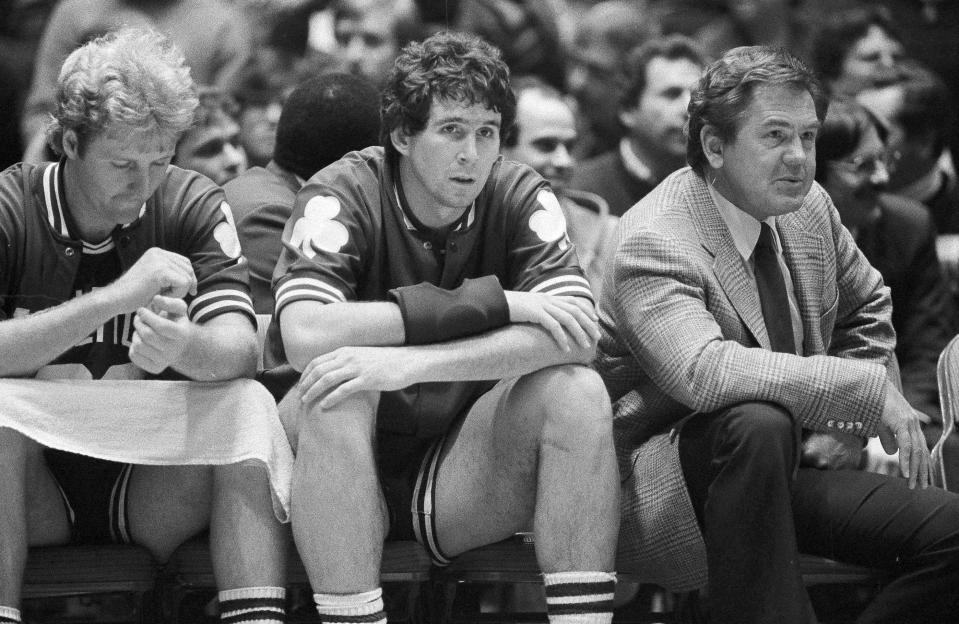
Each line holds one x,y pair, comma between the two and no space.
316,230
225,233
549,222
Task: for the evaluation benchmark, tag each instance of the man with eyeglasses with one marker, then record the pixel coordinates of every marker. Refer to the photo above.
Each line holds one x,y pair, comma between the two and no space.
897,236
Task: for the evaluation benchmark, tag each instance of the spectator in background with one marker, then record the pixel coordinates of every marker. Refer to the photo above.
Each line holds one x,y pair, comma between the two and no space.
212,35
897,236
323,119
594,77
259,97
543,137
857,49
527,32
921,115
652,112
21,26
369,34
211,146
718,25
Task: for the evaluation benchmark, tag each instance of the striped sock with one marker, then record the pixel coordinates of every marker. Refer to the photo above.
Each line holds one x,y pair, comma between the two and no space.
361,608
579,597
9,614
264,605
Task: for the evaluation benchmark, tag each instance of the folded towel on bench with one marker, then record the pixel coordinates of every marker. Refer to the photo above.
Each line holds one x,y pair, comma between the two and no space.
164,423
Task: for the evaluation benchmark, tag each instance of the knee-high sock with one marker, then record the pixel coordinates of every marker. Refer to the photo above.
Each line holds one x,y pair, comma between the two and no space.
580,597
361,608
262,605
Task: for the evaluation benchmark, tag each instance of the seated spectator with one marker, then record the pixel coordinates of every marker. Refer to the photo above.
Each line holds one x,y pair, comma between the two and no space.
652,114
369,34
116,265
430,296
748,345
543,137
603,40
259,99
323,119
718,25
212,35
857,49
527,33
921,115
898,238
211,146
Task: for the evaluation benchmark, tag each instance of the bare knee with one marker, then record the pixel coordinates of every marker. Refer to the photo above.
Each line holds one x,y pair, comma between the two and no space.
341,431
575,406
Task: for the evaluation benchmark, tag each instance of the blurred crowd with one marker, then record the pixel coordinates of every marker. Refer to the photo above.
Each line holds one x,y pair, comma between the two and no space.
252,52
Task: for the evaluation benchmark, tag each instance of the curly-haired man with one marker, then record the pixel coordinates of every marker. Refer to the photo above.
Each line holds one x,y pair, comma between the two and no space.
430,304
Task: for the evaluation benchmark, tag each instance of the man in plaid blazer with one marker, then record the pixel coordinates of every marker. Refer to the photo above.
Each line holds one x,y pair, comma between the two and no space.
748,345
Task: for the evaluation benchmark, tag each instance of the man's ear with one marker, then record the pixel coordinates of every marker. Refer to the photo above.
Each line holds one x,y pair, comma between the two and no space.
401,140
70,144
712,146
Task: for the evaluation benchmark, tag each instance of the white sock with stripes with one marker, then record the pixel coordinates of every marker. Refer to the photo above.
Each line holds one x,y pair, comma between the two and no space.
264,605
364,607
580,597
9,614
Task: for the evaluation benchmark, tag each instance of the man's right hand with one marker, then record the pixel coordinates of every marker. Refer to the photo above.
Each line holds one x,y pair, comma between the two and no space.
901,429
157,272
558,315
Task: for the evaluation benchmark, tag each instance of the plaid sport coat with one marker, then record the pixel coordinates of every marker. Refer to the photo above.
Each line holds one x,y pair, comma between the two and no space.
683,333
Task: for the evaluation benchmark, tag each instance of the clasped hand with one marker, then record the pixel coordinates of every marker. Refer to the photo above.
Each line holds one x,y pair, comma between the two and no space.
161,334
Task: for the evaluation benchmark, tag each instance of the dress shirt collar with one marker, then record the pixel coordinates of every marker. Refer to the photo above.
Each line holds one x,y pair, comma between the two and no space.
632,163
743,227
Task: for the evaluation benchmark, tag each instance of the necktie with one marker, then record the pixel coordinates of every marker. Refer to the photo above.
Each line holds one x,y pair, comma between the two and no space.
772,293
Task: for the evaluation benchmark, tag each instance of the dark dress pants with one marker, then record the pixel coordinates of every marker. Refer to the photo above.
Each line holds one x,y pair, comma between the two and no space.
758,511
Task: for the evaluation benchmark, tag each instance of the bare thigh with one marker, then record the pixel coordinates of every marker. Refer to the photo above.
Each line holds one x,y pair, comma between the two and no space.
486,485
46,514
168,505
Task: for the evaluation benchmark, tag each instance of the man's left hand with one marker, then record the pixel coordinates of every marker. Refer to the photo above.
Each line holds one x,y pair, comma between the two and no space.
831,451
162,333
338,374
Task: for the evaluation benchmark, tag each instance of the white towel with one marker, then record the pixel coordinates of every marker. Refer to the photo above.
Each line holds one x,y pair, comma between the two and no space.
164,423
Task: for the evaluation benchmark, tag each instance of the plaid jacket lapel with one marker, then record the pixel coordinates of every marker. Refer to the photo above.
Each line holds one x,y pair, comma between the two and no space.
727,263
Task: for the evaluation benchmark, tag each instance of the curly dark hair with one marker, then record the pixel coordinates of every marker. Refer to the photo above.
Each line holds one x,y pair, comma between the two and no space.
726,89
446,66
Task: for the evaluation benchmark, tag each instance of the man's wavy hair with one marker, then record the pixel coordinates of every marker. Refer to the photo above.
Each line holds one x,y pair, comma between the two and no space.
458,67
726,88
132,77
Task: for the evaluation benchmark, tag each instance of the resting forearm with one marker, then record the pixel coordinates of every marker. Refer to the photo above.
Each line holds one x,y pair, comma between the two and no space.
310,330
31,342
218,352
510,351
